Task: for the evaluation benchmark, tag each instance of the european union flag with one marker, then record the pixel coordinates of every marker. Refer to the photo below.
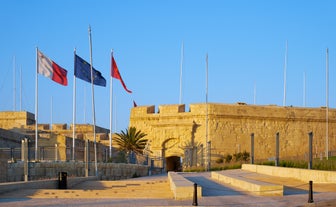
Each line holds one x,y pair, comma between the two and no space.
83,71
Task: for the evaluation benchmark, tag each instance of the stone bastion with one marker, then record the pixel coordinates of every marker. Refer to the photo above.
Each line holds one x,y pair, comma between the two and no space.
181,136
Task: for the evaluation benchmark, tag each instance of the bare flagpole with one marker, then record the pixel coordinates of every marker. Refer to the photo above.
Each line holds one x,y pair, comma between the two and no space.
304,89
255,94
285,74
74,111
206,120
327,104
14,84
84,103
181,68
21,88
93,105
111,107
36,103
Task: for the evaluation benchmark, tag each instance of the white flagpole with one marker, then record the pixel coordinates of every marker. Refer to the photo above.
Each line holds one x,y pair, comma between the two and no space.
14,84
36,104
51,113
111,107
255,94
181,67
327,104
84,103
206,120
115,112
285,74
74,112
21,88
304,89
93,105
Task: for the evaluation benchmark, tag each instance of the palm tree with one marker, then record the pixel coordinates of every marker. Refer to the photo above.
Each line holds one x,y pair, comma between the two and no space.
131,141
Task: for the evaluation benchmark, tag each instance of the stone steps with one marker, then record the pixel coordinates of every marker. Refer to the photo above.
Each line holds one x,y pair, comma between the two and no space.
242,179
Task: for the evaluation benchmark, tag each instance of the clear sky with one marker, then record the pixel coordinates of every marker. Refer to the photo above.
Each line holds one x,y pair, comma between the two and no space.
245,41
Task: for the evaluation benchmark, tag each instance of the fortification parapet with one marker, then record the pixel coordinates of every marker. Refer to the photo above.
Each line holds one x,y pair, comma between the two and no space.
171,109
59,126
142,110
16,119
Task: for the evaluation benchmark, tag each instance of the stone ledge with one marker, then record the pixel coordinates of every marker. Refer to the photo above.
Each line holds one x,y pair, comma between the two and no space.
181,187
305,175
237,179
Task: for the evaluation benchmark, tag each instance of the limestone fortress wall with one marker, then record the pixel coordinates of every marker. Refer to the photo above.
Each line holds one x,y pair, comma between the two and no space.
176,132
173,132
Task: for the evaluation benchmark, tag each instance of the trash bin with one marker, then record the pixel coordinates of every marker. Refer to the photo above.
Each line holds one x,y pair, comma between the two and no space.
62,180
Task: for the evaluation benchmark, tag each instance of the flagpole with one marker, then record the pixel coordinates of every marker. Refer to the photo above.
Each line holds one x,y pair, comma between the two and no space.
304,89
51,113
255,94
74,112
327,104
84,103
111,107
285,75
14,84
181,67
93,104
36,104
206,120
21,88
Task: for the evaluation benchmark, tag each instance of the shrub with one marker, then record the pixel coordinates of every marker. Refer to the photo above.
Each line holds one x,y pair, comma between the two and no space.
245,156
242,156
228,158
219,160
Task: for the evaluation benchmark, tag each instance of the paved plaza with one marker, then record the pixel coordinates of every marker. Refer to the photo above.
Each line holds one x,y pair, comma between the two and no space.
155,191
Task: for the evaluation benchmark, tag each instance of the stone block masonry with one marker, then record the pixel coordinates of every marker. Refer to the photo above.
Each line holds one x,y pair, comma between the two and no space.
173,131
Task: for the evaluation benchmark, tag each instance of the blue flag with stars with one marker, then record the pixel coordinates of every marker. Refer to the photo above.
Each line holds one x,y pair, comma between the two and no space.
83,71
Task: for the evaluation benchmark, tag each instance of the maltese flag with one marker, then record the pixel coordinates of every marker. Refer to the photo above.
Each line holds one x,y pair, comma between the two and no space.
50,69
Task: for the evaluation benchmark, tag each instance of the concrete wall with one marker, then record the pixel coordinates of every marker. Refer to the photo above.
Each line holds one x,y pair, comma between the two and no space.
173,129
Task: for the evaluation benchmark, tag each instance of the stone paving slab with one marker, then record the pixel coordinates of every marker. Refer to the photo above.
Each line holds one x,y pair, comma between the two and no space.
134,188
214,194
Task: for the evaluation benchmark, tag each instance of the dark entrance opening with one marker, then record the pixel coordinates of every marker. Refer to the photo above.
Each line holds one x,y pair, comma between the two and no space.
173,163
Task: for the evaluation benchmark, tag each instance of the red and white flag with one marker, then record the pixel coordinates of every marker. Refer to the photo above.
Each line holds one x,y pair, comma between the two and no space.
116,74
50,69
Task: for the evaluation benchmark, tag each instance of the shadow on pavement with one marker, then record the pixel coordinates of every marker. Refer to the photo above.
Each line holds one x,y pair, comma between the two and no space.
294,191
211,188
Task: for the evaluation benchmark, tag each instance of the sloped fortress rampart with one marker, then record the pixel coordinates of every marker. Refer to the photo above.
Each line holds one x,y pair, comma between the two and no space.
174,132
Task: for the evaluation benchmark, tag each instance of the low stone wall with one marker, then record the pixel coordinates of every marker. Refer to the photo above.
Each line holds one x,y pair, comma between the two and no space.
305,175
50,170
181,187
42,184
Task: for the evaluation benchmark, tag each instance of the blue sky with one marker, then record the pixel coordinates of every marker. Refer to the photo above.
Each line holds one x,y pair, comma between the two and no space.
245,41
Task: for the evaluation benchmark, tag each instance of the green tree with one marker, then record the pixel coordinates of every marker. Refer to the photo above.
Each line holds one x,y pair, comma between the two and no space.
131,140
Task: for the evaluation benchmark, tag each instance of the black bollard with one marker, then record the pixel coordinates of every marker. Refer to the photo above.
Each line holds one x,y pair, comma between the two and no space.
195,195
310,198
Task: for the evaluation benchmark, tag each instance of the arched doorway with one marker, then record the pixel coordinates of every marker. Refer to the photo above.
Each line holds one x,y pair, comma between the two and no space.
173,163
